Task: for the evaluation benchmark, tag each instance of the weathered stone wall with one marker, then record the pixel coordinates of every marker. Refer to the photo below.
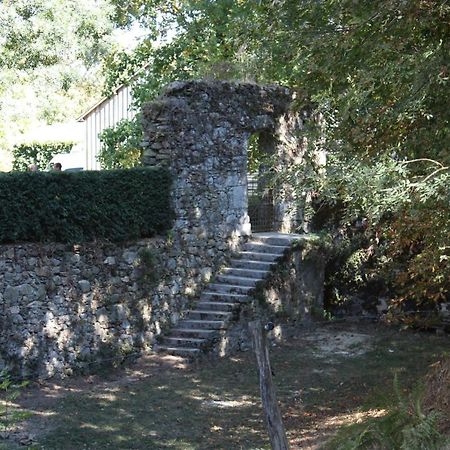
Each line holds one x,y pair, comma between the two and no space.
65,308
200,130
294,291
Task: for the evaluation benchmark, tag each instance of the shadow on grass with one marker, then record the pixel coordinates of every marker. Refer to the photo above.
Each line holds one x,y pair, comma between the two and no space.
216,405
169,411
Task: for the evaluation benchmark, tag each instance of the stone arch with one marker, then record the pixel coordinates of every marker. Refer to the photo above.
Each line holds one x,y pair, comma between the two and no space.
200,131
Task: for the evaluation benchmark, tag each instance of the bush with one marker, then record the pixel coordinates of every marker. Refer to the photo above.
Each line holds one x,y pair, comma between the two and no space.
78,207
38,153
413,422
121,145
402,246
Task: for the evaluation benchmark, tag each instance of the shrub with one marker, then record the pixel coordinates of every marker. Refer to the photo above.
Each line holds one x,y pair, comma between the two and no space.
38,153
121,145
413,422
403,243
9,392
84,206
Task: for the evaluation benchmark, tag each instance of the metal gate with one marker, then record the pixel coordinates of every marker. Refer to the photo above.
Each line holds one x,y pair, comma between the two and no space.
260,204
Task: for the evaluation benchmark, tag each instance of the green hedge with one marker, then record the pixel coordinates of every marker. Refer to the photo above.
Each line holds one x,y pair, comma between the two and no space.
115,205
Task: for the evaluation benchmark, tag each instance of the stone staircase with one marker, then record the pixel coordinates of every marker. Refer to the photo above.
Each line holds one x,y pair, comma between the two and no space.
221,300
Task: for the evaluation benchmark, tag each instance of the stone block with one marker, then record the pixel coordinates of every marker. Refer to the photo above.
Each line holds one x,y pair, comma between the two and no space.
12,294
85,286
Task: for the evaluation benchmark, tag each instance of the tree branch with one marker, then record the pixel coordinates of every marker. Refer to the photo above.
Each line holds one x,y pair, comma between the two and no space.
424,159
432,174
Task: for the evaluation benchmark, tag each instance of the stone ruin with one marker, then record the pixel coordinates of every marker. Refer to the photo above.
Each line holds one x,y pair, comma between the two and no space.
201,130
69,308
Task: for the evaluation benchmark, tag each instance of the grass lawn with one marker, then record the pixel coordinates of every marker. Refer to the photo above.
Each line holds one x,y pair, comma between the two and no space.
326,377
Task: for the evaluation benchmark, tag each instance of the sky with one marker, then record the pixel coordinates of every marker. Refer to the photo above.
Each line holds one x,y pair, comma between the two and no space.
129,39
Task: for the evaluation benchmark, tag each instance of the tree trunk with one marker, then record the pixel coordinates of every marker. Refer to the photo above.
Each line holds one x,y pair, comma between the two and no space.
274,421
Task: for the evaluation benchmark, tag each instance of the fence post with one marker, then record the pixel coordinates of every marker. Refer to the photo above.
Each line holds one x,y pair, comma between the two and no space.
274,421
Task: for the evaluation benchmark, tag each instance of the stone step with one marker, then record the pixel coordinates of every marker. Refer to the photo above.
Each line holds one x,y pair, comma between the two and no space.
250,264
260,247
221,300
189,342
229,288
215,306
241,272
278,239
225,297
237,281
208,315
257,256
196,324
179,351
193,333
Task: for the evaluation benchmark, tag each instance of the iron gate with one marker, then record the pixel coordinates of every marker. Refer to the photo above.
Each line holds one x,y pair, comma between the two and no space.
260,204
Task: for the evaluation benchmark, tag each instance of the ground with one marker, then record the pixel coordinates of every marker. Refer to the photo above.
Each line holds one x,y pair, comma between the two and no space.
327,376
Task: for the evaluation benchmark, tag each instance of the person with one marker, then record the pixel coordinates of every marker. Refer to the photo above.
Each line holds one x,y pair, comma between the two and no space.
57,167
32,168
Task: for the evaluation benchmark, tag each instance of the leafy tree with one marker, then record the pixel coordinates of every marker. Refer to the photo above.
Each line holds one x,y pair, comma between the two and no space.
49,61
377,75
46,32
121,145
37,153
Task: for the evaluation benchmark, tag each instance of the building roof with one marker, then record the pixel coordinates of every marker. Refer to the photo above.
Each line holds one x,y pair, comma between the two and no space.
115,92
84,116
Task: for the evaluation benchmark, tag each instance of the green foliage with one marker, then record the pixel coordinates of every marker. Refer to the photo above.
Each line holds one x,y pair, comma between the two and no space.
76,207
50,54
39,32
407,215
378,70
347,270
258,156
397,430
9,392
207,44
404,427
378,77
121,145
39,153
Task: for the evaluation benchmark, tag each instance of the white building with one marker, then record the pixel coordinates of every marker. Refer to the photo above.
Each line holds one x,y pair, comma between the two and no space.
104,114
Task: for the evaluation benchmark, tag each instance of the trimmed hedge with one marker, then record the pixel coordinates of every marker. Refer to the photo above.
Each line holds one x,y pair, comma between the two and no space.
115,205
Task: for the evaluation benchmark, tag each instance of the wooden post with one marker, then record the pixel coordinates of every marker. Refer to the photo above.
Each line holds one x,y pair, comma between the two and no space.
274,421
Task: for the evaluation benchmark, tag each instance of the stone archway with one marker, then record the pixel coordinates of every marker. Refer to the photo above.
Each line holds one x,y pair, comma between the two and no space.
200,131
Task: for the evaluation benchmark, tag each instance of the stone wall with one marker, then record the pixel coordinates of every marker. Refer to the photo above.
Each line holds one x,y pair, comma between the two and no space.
294,290
63,308
68,307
